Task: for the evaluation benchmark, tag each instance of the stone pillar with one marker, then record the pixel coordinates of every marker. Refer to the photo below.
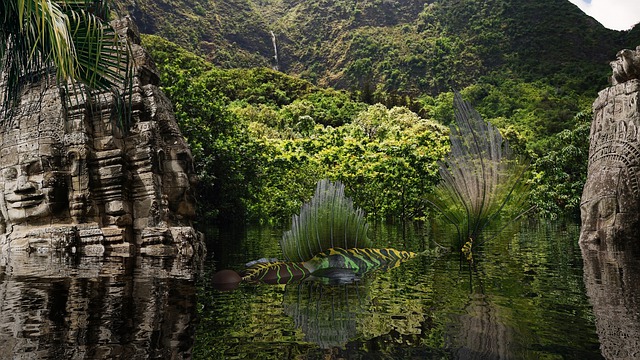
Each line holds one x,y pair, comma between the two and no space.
610,204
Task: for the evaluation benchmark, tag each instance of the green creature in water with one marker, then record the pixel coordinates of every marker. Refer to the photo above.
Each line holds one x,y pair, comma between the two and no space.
327,240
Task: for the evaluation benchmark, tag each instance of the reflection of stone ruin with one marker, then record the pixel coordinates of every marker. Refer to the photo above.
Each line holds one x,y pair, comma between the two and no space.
72,178
610,210
612,281
611,196
96,308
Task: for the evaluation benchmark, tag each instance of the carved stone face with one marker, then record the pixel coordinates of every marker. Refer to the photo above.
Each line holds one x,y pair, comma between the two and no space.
610,211
33,189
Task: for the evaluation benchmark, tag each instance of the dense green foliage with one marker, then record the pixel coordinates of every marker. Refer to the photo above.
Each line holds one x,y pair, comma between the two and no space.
262,139
388,50
560,174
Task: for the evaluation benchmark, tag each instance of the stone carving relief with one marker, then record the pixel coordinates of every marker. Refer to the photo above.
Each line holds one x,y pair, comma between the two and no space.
626,66
610,204
73,178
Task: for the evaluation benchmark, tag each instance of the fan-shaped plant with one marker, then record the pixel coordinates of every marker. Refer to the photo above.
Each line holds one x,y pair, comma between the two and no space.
328,221
327,240
481,177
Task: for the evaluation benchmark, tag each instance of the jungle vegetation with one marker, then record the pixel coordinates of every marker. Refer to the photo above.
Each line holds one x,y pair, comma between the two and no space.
262,139
364,95
386,50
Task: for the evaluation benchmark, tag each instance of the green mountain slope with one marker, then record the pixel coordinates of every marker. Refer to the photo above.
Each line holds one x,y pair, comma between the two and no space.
407,47
262,139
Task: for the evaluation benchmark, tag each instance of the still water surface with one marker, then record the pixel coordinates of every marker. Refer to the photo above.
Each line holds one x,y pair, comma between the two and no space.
530,296
525,299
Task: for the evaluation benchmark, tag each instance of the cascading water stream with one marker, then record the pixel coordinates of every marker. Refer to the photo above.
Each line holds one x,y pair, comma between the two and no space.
275,52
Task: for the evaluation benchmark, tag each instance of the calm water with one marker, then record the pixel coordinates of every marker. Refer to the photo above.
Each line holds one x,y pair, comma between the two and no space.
525,299
530,296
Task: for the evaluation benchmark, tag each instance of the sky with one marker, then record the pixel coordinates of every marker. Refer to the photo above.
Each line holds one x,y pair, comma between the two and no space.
613,14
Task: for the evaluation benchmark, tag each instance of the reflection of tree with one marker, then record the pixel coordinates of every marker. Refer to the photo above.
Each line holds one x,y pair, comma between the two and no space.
612,280
61,307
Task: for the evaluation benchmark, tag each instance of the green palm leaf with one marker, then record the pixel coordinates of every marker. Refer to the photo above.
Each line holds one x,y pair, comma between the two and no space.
67,37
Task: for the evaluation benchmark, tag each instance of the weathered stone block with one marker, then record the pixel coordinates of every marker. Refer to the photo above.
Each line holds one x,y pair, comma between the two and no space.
66,163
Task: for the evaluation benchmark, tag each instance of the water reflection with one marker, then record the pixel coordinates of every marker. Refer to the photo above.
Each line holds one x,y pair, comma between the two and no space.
61,307
325,313
525,300
612,280
482,332
331,315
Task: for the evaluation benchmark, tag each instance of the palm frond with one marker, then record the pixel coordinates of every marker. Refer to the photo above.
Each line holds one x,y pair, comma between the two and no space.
480,176
328,221
102,57
69,36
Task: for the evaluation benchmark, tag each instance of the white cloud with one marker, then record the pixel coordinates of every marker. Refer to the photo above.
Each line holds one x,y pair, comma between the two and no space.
613,14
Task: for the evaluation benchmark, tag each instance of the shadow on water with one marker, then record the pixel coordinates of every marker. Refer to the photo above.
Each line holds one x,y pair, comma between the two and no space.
54,307
525,299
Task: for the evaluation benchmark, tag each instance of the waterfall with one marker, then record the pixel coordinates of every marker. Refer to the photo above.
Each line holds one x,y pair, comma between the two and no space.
275,52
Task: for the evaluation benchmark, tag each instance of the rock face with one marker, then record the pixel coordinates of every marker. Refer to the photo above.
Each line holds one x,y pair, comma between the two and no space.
74,178
610,204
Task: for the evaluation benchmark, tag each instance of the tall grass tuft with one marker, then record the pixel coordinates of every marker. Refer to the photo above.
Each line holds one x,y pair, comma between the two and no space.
329,220
482,180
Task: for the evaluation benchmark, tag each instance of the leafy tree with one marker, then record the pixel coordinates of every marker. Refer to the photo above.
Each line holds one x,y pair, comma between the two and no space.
262,139
560,175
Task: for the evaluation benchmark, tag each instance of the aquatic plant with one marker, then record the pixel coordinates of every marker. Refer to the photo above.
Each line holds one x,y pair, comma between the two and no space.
328,221
482,180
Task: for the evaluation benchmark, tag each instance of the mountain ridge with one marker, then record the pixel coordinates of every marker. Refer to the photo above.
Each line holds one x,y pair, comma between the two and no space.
387,46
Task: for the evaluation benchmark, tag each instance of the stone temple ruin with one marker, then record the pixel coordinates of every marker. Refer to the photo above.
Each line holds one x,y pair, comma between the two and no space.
610,205
73,179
